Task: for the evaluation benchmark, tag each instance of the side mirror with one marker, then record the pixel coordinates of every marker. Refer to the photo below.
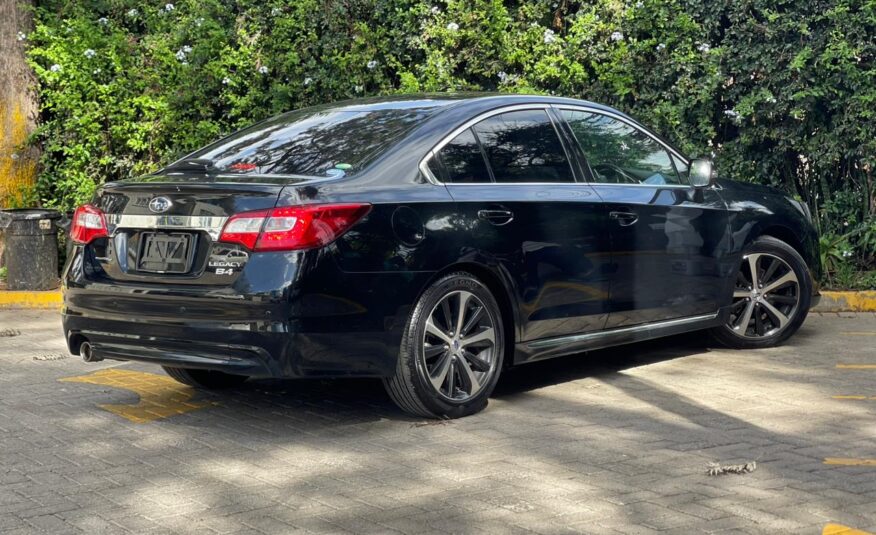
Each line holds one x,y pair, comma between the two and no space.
701,174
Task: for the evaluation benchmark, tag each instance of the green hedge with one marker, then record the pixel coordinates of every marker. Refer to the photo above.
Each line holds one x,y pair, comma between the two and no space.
780,92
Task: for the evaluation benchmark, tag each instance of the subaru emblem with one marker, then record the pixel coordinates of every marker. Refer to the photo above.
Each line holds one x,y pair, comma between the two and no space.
160,204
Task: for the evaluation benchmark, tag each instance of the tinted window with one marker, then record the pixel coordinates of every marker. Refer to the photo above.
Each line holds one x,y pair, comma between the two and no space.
618,153
523,146
463,160
311,143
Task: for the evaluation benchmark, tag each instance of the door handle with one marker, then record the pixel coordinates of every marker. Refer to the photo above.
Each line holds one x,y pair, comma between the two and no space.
496,217
624,219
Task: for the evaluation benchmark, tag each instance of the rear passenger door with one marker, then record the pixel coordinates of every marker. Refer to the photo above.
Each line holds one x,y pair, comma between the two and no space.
668,239
522,209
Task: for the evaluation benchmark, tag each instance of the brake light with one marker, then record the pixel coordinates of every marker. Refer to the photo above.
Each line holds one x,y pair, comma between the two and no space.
289,228
88,224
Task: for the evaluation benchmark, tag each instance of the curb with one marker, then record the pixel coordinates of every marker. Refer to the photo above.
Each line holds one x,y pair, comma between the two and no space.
847,302
830,301
24,299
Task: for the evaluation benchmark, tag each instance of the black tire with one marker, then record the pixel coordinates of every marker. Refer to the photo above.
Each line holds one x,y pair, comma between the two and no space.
767,245
409,388
205,379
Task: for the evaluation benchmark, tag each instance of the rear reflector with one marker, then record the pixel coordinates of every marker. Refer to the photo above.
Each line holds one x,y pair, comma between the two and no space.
289,228
88,224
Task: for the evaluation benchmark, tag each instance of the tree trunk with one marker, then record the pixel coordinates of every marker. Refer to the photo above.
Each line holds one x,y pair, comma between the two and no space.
18,108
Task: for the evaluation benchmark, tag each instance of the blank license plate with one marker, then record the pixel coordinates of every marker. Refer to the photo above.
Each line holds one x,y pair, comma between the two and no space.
165,253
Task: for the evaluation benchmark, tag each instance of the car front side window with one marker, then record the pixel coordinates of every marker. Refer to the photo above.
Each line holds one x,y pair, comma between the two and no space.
619,153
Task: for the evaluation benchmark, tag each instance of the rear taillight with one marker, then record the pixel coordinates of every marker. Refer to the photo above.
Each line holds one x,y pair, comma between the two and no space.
292,227
88,224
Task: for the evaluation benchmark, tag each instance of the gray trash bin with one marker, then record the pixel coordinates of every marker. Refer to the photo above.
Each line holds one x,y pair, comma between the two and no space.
31,248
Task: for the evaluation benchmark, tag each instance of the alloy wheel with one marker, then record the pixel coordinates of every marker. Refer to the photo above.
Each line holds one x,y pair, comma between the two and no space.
459,344
765,298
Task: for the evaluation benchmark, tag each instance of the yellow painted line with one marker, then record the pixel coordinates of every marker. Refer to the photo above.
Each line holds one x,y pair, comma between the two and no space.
856,366
858,333
854,397
160,396
839,529
838,461
21,299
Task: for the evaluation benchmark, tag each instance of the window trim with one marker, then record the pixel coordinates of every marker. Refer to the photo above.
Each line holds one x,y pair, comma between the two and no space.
630,122
424,168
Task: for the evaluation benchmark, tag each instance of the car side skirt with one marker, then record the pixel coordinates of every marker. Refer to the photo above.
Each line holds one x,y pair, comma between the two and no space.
567,345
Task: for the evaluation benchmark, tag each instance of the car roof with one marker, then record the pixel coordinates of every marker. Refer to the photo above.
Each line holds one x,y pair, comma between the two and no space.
433,103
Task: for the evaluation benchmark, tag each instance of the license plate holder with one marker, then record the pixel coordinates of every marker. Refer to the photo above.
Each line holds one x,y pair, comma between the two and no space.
163,252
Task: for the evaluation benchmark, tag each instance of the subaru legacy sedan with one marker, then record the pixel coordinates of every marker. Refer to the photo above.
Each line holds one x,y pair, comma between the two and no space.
431,241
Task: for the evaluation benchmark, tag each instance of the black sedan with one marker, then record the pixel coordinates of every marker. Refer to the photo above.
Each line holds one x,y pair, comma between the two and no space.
431,241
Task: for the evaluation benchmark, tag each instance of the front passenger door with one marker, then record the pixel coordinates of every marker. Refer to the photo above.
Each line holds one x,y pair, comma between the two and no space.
668,239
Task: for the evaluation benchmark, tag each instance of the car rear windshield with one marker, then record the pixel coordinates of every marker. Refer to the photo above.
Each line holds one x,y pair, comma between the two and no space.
310,143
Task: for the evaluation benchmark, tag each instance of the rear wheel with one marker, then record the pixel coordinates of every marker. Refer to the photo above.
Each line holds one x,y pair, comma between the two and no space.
771,297
451,351
206,379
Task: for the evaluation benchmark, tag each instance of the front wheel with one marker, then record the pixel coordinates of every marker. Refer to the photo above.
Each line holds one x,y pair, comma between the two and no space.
451,351
771,296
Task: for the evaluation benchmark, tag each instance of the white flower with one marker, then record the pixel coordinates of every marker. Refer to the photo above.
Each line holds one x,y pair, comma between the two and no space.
771,99
308,80
132,13
103,21
617,36
435,10
199,21
845,223
226,81
733,114
549,37
372,64
55,68
276,11
359,88
502,76
453,26
21,36
661,47
96,71
90,53
186,48
704,47
640,4
168,7
263,69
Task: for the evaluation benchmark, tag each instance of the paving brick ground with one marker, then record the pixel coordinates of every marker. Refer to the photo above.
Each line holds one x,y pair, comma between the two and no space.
611,442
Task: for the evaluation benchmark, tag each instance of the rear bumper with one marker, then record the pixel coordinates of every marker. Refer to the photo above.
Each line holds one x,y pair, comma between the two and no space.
327,324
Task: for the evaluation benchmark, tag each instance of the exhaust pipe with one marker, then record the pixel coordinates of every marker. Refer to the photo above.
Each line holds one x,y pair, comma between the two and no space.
88,354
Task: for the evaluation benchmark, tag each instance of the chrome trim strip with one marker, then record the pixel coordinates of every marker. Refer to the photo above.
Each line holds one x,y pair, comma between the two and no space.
212,225
562,340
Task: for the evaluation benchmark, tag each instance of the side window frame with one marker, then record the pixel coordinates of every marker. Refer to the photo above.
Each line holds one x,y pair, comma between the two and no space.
579,176
671,152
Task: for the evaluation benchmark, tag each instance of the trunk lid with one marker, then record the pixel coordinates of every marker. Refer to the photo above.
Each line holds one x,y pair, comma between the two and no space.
164,228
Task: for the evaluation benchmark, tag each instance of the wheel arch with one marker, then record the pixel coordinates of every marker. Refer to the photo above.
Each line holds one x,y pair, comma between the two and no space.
787,235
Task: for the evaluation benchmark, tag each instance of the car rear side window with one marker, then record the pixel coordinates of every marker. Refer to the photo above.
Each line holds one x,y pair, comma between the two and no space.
523,146
463,160
618,153
319,143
